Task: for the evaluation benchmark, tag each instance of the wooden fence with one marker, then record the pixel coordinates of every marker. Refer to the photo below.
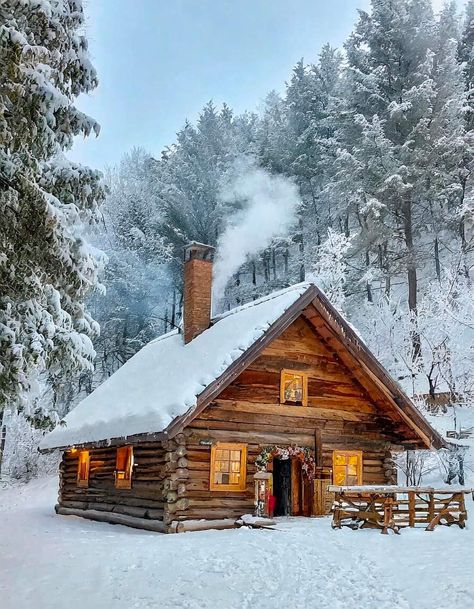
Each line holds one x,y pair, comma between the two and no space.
391,507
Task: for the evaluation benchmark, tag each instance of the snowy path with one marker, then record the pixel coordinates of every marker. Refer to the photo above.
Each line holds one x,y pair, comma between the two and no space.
52,562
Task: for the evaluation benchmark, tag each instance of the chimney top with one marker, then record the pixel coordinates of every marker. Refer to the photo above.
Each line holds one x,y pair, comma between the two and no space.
200,251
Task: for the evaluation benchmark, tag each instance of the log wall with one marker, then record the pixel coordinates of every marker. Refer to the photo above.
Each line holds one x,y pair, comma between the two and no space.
144,500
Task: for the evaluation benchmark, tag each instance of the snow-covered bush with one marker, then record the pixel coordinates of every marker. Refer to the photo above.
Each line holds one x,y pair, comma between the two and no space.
21,459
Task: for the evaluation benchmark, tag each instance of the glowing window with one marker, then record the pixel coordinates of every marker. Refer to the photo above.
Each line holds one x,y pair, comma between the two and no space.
347,467
228,467
294,388
124,467
83,468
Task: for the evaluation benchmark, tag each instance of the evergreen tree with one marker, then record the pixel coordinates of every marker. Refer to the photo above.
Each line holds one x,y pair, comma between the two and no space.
403,138
46,268
189,178
466,56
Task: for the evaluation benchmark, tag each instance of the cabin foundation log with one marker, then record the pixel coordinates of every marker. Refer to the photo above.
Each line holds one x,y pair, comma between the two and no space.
113,518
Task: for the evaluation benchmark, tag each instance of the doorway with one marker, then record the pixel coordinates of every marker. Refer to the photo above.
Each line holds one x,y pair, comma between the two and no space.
282,486
291,488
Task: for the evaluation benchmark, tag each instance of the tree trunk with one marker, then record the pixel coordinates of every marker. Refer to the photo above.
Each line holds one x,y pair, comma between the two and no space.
411,274
437,262
173,310
368,286
301,249
3,435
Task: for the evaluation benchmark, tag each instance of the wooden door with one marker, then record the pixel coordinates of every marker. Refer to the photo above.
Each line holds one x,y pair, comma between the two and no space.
308,493
296,487
301,491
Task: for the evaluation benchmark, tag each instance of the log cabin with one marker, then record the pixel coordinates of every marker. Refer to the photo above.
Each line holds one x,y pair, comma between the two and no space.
259,408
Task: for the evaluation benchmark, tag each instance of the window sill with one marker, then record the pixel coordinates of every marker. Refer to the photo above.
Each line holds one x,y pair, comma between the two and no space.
227,488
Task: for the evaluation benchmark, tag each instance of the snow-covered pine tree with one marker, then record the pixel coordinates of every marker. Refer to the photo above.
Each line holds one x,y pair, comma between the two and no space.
330,272
298,133
404,139
46,268
466,57
133,309
189,178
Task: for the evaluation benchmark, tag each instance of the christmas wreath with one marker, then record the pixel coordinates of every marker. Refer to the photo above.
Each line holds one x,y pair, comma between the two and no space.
287,452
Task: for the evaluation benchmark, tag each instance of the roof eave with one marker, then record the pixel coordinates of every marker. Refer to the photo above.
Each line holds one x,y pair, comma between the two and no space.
141,438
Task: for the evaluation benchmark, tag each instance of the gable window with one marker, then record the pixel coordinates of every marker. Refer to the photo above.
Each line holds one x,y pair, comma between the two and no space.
124,467
228,467
347,467
294,388
83,468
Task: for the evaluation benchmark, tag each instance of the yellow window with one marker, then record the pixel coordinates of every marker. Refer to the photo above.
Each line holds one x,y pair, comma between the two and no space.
83,468
124,467
228,467
294,387
347,467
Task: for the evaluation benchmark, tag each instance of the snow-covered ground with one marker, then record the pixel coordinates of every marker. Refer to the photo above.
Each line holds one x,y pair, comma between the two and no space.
57,562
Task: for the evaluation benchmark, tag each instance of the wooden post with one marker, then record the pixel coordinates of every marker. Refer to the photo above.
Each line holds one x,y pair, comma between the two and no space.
411,508
462,511
318,448
431,511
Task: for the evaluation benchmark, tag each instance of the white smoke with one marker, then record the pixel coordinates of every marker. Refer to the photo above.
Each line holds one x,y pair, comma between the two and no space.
269,209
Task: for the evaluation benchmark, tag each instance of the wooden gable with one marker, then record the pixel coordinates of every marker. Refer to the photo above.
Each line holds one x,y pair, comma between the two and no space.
338,404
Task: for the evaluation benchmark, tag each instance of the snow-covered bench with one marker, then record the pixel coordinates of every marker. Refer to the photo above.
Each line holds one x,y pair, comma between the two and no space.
392,507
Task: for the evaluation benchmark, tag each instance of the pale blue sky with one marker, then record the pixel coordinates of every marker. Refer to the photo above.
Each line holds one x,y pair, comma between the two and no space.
160,61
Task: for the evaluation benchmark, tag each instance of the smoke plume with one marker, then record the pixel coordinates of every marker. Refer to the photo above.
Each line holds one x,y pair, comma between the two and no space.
268,207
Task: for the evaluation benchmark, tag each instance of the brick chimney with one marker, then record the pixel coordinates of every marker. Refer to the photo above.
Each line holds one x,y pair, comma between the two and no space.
198,260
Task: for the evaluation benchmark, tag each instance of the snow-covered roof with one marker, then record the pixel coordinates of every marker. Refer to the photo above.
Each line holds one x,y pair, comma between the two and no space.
164,379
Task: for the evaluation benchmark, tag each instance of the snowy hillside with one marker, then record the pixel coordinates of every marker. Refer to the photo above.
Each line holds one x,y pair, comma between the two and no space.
55,562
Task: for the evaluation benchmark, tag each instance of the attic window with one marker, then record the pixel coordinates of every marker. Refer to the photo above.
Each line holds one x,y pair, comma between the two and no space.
124,467
83,468
347,467
228,467
294,388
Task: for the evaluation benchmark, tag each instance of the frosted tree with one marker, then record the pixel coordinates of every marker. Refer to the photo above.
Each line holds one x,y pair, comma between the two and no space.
447,331
21,460
330,271
466,56
403,137
188,179
133,309
47,269
298,131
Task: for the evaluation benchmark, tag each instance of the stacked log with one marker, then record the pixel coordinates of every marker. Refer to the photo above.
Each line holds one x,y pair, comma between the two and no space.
143,500
177,474
390,468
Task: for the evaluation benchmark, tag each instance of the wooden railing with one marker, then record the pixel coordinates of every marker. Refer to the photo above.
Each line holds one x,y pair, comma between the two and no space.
392,507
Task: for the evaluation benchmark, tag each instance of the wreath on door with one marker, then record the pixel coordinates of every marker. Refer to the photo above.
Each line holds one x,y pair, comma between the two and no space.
302,453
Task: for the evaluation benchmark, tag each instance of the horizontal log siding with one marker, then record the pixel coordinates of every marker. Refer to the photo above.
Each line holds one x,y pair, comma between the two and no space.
249,411
143,500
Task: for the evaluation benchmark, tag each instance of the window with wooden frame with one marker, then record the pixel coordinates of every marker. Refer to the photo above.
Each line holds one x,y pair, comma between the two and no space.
83,468
228,467
294,388
124,467
347,467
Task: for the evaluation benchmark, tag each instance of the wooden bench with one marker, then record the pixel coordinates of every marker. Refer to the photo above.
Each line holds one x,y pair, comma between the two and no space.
393,507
